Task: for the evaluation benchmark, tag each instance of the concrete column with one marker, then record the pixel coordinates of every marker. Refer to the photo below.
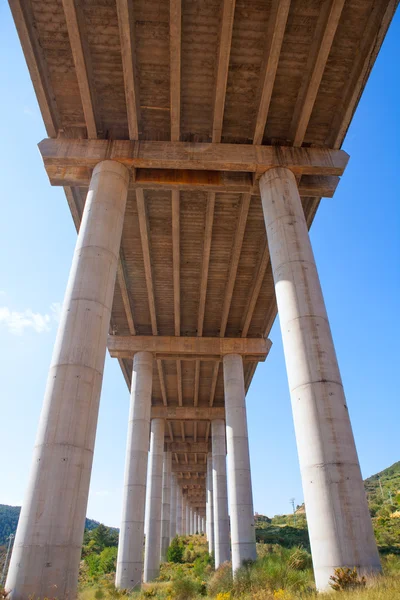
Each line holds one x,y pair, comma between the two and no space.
337,513
243,536
174,490
184,514
48,541
178,510
155,479
130,547
220,494
187,518
210,504
166,506
190,520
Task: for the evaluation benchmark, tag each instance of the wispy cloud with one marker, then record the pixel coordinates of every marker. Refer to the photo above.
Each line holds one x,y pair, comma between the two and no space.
17,322
29,111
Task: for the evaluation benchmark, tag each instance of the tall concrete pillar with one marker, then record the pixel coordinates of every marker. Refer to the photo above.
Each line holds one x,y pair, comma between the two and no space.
184,514
243,536
155,480
220,494
48,542
187,517
337,513
130,547
166,506
178,510
210,504
174,495
191,520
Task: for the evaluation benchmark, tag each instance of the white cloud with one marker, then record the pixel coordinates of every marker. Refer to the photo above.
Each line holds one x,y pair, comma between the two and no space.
29,111
18,321
55,308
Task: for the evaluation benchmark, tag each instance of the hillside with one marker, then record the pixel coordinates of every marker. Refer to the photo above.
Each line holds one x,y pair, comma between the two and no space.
383,493
9,516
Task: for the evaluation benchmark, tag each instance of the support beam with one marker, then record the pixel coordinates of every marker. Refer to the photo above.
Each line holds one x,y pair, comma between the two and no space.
62,462
327,24
235,256
126,24
224,51
76,26
37,65
144,235
365,55
255,291
189,468
276,29
121,279
175,27
208,348
223,182
189,155
338,518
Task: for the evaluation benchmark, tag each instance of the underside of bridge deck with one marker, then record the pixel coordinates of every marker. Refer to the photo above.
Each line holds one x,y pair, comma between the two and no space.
194,140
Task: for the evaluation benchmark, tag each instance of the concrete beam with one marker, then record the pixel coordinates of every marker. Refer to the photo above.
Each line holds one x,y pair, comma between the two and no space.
188,413
188,348
189,447
189,155
190,468
188,180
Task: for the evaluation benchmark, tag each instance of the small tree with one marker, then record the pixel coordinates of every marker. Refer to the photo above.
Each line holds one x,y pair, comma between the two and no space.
175,551
346,579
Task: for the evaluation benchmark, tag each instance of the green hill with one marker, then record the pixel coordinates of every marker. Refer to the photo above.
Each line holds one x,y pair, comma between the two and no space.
9,516
383,494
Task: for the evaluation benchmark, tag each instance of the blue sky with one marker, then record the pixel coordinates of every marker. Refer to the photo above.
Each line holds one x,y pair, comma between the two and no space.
356,240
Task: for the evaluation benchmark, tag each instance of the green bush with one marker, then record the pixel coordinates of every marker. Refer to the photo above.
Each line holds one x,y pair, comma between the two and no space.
175,550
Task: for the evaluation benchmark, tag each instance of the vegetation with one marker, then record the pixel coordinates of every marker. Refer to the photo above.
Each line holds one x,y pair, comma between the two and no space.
283,569
9,516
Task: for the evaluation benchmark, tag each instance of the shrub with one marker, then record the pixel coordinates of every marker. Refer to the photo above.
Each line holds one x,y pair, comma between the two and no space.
300,559
221,581
175,551
184,588
346,579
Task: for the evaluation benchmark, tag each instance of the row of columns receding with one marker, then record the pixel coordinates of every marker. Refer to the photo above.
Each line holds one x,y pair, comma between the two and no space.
48,542
164,500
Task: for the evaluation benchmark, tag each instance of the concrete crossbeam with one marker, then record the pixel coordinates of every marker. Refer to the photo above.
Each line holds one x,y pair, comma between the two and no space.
188,348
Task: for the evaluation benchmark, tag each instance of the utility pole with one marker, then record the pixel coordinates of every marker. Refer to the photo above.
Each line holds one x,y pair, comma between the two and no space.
380,485
294,510
4,572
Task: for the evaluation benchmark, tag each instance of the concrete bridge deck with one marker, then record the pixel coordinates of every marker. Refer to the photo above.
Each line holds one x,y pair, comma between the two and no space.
197,99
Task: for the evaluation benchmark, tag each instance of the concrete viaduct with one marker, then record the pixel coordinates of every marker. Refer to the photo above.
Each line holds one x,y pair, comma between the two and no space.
194,140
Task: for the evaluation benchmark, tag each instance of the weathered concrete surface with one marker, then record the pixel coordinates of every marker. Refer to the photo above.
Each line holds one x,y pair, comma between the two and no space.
178,510
130,547
48,542
174,489
210,504
337,512
243,537
153,524
220,493
166,506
